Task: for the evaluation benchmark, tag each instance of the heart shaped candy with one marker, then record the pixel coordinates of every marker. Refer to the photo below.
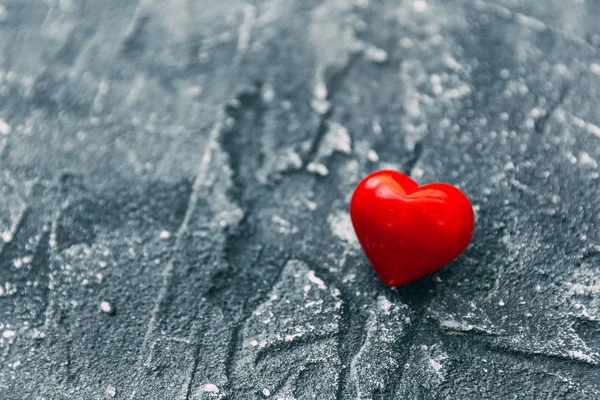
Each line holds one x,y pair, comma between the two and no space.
406,230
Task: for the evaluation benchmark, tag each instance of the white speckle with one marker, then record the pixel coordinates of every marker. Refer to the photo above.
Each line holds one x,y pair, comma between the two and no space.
289,338
504,116
11,77
212,388
509,166
417,173
504,73
337,138
436,84
585,159
266,392
8,334
320,106
456,326
194,91
5,128
595,68
420,6
110,391
384,304
561,69
285,226
310,204
320,91
579,355
106,307
3,13
436,366
7,236
373,156
457,93
165,234
452,63
531,23
314,279
246,27
501,303
85,282
590,128
341,226
593,129
268,94
406,43
376,55
377,128
317,168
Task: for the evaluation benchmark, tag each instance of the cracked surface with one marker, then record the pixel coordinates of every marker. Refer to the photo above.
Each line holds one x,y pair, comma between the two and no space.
175,184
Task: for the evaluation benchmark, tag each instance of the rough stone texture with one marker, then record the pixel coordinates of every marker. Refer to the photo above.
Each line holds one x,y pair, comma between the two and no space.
175,179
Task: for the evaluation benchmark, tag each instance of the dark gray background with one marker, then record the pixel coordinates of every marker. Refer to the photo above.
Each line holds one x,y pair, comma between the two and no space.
175,179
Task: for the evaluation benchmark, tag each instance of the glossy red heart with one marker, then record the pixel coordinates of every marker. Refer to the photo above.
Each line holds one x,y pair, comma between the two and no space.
406,230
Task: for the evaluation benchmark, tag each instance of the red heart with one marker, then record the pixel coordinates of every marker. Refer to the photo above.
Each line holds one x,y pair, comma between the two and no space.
406,230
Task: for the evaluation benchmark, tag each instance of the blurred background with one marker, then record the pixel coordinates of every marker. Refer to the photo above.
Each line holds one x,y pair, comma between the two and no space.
175,178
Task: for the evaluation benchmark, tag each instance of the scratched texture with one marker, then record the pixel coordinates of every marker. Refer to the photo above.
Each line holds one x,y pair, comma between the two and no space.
175,179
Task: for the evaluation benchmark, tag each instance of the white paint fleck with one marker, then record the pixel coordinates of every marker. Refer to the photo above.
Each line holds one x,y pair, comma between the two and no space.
341,227
436,84
110,391
320,106
420,6
316,280
211,388
6,236
451,63
106,307
289,338
5,128
337,138
532,23
436,366
417,173
317,168
595,68
406,43
320,91
579,355
246,28
501,303
376,55
457,93
7,334
268,93
585,159
266,392
285,226
165,234
590,128
384,304
373,156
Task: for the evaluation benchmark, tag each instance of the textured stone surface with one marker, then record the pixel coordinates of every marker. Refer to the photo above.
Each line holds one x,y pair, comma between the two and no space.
175,182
